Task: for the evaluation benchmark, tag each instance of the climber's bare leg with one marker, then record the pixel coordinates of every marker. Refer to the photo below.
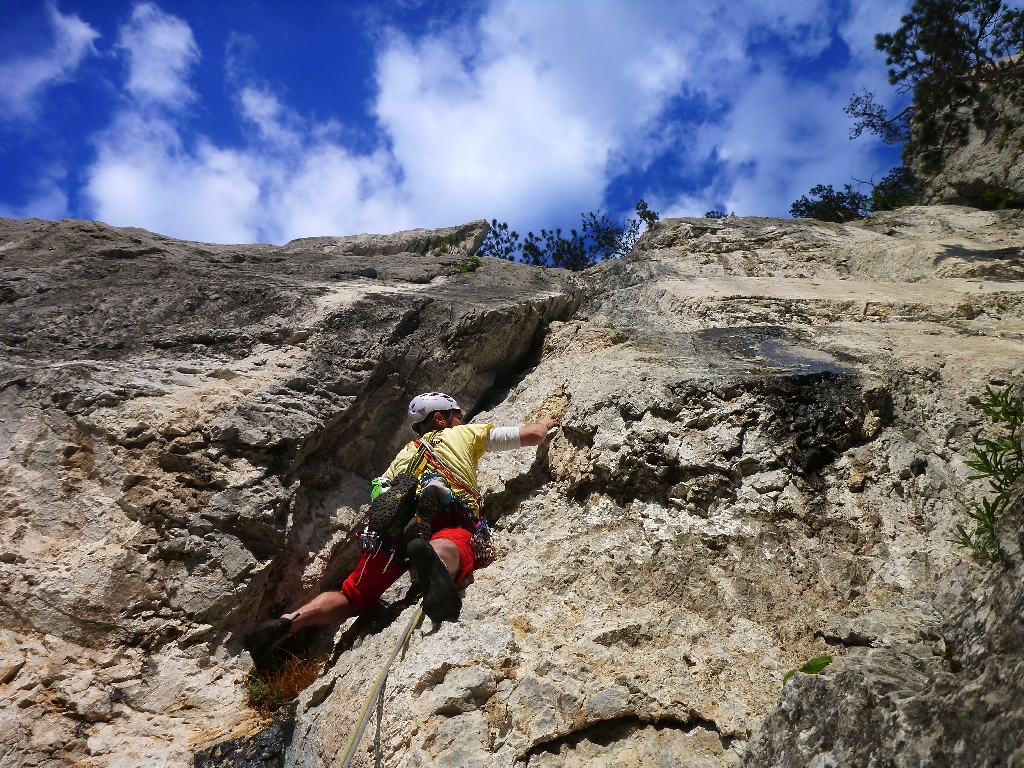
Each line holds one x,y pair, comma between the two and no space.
449,554
334,607
325,608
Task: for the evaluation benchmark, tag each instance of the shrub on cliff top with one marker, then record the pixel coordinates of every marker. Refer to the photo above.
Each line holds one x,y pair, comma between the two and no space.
599,238
826,204
897,189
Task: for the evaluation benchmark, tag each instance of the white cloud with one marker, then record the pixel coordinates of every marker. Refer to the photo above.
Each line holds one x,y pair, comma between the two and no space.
532,119
782,136
292,180
526,113
521,116
24,79
867,18
502,137
774,155
145,177
161,53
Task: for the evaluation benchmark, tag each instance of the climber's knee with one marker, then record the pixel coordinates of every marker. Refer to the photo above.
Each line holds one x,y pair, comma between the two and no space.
448,551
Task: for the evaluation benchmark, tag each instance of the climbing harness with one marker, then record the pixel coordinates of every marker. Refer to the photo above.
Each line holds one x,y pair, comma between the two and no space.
466,507
469,503
364,713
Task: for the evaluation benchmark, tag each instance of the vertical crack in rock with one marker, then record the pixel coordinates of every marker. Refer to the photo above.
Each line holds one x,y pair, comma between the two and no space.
174,453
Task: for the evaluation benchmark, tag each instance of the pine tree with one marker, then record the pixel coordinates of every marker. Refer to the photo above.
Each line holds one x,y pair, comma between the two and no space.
959,62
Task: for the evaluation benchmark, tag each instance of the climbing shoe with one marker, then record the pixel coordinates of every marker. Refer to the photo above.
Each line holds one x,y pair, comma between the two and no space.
426,508
394,505
441,601
265,636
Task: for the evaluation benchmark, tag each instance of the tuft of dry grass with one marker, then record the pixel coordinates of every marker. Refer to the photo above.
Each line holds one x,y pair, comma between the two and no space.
271,688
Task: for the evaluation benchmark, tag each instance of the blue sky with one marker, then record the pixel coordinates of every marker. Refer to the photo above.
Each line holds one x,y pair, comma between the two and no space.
249,120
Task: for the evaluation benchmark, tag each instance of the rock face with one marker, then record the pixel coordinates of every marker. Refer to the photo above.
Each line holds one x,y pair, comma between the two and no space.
986,171
765,424
887,708
182,431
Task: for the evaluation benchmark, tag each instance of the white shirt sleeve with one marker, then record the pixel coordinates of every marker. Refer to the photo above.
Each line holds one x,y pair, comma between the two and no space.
503,439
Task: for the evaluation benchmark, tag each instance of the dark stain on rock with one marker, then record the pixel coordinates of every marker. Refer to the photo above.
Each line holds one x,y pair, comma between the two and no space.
265,749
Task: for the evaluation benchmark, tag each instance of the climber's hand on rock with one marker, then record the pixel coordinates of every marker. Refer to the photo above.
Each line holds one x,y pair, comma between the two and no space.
547,424
536,432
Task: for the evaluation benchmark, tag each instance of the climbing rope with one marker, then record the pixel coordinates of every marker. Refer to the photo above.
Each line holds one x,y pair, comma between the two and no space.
364,713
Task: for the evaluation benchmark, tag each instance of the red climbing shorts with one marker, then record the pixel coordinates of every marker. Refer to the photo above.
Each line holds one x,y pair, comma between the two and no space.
374,574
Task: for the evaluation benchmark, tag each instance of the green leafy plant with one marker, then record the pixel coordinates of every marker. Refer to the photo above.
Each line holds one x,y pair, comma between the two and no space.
995,198
812,667
445,245
501,243
550,248
716,214
1001,462
898,188
826,204
262,695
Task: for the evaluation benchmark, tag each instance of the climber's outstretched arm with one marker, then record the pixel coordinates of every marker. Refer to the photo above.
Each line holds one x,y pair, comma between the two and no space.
536,432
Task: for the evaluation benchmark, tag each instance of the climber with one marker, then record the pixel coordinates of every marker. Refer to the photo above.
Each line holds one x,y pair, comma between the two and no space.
425,513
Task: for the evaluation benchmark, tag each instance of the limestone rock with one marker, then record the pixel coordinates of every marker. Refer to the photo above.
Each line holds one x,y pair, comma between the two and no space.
761,460
985,171
887,707
764,428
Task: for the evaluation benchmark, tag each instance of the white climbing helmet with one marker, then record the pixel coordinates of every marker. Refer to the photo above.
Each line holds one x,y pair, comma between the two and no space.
423,405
